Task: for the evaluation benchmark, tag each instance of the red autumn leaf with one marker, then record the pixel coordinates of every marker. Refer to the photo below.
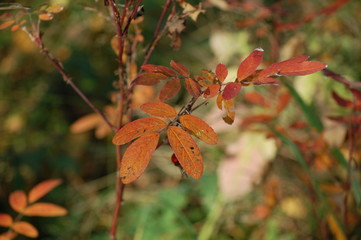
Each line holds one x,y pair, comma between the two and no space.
283,101
137,157
180,68
192,87
303,68
265,81
346,119
136,129
159,109
17,200
250,64
356,93
6,24
45,210
256,98
151,68
212,91
341,101
25,229
199,128
170,89
298,124
221,72
231,90
186,151
5,220
42,188
149,79
261,118
275,68
208,78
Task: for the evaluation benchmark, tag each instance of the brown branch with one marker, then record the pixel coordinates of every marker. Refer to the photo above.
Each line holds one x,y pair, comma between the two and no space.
35,37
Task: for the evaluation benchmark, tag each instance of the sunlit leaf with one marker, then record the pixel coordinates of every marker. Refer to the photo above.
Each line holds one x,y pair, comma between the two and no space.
303,68
275,68
220,101
180,68
170,89
137,156
199,128
149,79
250,64
45,210
56,8
42,188
221,72
192,87
6,24
17,200
212,91
231,90
158,69
186,151
25,229
136,129
5,220
159,109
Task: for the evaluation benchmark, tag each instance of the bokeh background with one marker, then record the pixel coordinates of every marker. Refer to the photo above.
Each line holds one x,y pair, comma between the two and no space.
253,187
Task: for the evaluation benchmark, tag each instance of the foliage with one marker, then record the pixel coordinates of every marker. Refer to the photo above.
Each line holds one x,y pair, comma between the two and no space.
280,160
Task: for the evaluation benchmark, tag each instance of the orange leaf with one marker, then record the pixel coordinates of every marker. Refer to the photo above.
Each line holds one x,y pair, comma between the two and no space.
137,157
199,128
208,78
46,16
14,28
212,91
170,89
159,109
231,90
261,118
5,220
7,236
275,68
42,188
25,229
221,72
250,64
18,200
192,87
45,210
256,98
303,68
86,123
229,118
220,101
180,68
283,101
186,150
136,129
158,69
149,79
6,24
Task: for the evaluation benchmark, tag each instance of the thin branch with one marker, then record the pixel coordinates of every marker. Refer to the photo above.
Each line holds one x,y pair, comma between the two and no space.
160,20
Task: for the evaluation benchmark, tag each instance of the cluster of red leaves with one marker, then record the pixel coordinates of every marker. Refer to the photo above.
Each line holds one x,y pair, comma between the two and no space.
181,125
27,205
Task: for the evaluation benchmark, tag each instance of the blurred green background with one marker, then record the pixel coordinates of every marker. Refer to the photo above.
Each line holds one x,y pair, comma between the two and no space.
265,197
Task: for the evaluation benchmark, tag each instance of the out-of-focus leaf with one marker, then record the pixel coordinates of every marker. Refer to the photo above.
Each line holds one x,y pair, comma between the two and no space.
294,207
309,112
199,128
341,101
256,98
86,123
137,157
335,228
25,229
303,68
56,8
18,201
283,101
180,68
159,109
250,64
249,157
170,89
6,24
45,210
275,68
193,87
46,16
5,220
42,188
221,72
186,150
149,79
260,118
231,90
136,129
